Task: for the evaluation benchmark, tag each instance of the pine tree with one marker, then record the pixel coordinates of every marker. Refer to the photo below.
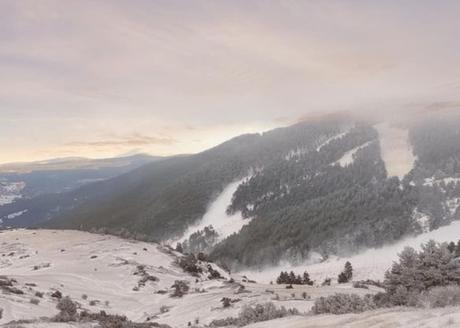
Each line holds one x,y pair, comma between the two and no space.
346,275
342,278
283,278
348,271
291,278
298,280
306,279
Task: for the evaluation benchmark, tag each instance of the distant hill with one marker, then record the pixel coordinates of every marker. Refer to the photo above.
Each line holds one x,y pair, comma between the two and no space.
24,184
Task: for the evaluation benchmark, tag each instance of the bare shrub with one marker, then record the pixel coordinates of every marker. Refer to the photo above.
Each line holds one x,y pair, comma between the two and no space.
226,302
34,301
116,321
67,310
181,288
189,264
57,294
441,297
257,313
39,294
326,282
358,284
164,309
343,303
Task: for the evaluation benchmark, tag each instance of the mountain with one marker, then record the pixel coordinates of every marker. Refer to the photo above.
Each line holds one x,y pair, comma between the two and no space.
27,183
327,186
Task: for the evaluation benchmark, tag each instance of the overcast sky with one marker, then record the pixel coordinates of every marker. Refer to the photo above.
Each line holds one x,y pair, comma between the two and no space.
102,78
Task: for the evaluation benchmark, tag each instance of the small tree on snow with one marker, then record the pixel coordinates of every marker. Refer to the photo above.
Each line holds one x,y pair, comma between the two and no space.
179,248
180,288
306,279
346,275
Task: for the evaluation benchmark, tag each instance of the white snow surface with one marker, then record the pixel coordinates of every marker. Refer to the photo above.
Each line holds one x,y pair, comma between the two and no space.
370,264
10,191
396,150
385,318
217,217
349,157
102,267
329,140
15,214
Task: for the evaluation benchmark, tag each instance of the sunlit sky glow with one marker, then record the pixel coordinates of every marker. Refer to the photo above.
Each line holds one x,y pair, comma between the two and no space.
103,78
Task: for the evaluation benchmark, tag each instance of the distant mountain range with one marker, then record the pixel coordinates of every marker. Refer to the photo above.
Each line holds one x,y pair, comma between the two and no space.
328,186
24,184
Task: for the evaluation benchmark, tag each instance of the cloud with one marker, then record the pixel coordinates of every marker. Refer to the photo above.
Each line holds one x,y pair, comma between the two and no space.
135,140
196,65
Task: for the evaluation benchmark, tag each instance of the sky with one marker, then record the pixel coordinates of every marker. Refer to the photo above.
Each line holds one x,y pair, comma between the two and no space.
107,78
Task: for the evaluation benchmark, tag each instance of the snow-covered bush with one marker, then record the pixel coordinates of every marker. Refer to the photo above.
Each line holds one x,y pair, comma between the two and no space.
343,303
189,264
358,284
34,301
326,282
226,302
67,310
181,288
257,313
116,321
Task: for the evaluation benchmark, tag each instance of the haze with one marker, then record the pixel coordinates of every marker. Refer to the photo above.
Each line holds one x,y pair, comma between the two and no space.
104,78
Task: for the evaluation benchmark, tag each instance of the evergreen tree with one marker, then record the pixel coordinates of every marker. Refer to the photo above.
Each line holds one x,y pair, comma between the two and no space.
342,278
346,275
348,271
306,279
416,272
298,280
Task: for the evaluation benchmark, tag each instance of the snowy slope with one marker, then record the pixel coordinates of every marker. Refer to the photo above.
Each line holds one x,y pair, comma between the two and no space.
396,149
387,318
102,267
349,157
216,215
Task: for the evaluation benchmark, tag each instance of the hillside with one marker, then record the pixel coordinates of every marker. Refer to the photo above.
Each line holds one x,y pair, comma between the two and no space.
135,279
330,186
29,190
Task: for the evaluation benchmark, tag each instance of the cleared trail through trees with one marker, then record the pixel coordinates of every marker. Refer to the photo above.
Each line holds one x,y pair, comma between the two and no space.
396,149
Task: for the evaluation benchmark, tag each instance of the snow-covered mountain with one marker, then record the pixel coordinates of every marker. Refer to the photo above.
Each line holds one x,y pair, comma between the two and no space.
333,186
